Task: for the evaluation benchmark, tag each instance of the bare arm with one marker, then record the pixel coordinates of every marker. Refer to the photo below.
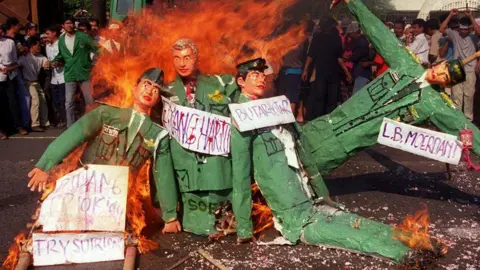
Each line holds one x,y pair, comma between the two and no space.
306,68
444,25
474,23
443,50
345,69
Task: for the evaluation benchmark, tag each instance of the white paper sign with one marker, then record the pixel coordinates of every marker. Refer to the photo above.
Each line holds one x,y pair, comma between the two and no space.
423,142
262,113
196,130
64,248
93,199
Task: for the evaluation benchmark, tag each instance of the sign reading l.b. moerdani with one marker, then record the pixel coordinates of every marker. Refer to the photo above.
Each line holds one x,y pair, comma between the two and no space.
423,142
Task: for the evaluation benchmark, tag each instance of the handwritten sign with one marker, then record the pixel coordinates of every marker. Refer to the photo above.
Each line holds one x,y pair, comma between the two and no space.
64,248
87,199
423,142
262,113
197,130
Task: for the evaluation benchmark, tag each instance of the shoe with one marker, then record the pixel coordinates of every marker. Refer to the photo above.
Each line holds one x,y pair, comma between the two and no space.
22,131
61,125
37,129
3,136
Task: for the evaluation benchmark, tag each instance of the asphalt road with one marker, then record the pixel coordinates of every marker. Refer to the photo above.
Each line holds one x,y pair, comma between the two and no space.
380,183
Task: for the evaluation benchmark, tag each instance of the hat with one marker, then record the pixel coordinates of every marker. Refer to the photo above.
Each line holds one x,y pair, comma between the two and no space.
352,28
456,71
153,74
30,26
258,64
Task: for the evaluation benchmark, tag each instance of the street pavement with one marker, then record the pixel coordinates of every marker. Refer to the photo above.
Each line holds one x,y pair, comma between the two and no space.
380,183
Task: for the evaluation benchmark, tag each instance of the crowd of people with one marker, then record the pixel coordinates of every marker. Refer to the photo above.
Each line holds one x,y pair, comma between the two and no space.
40,74
337,60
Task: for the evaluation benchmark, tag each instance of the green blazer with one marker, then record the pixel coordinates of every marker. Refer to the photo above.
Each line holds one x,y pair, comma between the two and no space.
262,155
194,171
117,136
77,65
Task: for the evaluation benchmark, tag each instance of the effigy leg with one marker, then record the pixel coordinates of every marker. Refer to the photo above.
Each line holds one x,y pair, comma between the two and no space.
198,210
337,229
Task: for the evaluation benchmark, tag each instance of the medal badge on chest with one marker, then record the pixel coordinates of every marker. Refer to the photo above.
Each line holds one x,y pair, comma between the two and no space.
110,131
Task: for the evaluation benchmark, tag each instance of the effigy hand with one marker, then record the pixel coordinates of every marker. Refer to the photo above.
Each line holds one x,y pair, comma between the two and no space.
172,227
336,2
38,179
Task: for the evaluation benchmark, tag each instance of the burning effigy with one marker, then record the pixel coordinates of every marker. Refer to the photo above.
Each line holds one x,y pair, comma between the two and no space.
97,211
217,131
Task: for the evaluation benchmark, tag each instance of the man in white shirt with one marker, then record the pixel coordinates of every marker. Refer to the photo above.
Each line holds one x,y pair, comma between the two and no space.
9,107
464,45
31,64
419,46
57,84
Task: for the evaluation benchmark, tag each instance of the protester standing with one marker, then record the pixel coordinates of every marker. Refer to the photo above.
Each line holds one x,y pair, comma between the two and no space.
327,52
57,83
464,45
432,29
419,45
31,64
74,50
8,72
360,57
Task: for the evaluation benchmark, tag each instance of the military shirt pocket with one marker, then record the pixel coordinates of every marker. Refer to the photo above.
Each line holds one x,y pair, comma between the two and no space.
272,144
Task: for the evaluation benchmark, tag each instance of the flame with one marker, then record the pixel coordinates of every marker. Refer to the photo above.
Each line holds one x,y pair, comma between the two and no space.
414,230
14,251
140,208
225,32
261,214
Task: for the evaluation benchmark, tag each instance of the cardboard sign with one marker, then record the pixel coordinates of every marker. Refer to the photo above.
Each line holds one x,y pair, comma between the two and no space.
196,130
423,142
262,113
64,248
87,199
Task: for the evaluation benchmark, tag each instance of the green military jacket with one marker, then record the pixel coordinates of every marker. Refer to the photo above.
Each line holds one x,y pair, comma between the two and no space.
263,154
122,137
195,171
79,64
396,94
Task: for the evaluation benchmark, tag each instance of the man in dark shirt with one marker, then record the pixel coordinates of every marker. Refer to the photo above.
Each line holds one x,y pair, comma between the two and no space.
327,52
360,57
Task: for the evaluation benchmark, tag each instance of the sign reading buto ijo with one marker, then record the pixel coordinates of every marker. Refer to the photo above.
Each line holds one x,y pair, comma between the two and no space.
420,141
88,199
261,113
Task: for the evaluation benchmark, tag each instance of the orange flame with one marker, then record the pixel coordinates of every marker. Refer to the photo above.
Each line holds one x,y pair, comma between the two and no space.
14,251
261,214
414,231
220,29
140,208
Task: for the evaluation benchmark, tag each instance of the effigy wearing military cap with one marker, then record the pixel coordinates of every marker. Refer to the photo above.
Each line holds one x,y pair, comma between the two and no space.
457,72
258,64
153,74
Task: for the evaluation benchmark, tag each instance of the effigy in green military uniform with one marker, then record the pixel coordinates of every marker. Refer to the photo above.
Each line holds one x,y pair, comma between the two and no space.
203,180
406,92
263,155
119,136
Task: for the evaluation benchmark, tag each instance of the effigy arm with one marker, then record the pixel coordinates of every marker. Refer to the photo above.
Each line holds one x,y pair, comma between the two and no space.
82,130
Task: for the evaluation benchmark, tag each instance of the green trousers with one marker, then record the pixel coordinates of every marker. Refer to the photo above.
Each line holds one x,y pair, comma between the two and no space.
198,210
335,228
